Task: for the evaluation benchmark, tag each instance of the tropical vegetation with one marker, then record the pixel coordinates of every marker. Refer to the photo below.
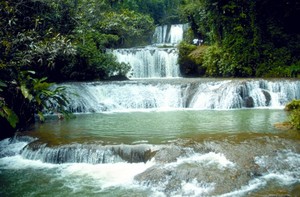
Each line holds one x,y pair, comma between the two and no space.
245,38
45,41
294,113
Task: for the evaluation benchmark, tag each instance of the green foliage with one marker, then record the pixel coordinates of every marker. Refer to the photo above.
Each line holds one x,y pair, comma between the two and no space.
191,59
187,65
295,119
40,95
211,60
248,38
130,27
8,114
26,46
53,40
5,111
294,70
294,108
162,11
293,105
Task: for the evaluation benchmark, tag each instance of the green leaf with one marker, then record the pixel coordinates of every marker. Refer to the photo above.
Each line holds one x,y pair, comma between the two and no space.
10,116
2,84
26,93
41,116
41,85
30,71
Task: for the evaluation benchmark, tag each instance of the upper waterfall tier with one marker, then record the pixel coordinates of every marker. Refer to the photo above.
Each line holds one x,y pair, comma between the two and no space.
150,62
181,94
169,34
158,60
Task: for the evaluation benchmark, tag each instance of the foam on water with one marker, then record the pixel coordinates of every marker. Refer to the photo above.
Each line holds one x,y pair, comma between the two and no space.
17,162
75,175
195,188
184,176
252,186
284,167
208,159
13,146
107,175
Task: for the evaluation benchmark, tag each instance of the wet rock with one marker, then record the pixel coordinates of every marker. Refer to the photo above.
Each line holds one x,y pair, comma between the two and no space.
169,154
154,176
267,96
134,154
296,190
191,91
249,102
283,126
92,153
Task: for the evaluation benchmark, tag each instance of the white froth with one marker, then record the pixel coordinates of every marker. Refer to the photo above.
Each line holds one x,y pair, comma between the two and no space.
108,175
18,162
194,188
253,184
11,148
207,159
284,167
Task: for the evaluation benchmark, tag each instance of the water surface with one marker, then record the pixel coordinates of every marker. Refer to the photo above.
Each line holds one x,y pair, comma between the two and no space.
154,153
158,127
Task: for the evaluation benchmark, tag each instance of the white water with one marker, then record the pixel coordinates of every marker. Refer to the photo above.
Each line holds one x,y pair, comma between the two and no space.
101,170
167,34
150,62
158,60
196,94
173,171
75,175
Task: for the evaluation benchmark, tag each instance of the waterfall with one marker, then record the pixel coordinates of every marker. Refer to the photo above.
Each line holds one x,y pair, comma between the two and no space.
150,61
167,34
93,154
181,94
158,60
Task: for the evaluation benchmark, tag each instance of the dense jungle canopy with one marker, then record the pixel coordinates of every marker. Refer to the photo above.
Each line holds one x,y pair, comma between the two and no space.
43,41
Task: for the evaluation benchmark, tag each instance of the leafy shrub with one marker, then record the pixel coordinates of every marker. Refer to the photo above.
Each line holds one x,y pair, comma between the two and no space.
187,59
293,105
211,60
295,119
294,69
294,109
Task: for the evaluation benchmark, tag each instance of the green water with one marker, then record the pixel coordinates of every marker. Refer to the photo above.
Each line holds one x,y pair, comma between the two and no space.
159,126
195,153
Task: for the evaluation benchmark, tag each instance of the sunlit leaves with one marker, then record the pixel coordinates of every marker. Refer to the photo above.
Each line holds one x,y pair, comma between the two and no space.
5,111
129,26
294,113
8,114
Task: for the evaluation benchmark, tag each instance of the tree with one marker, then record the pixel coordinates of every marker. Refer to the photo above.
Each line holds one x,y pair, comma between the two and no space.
251,38
129,26
24,47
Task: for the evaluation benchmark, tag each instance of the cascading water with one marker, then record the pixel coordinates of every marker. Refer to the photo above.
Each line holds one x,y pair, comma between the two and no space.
153,147
182,94
169,35
150,62
214,167
158,60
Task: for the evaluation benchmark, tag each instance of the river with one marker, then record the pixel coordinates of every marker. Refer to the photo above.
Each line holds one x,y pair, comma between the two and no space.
160,136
